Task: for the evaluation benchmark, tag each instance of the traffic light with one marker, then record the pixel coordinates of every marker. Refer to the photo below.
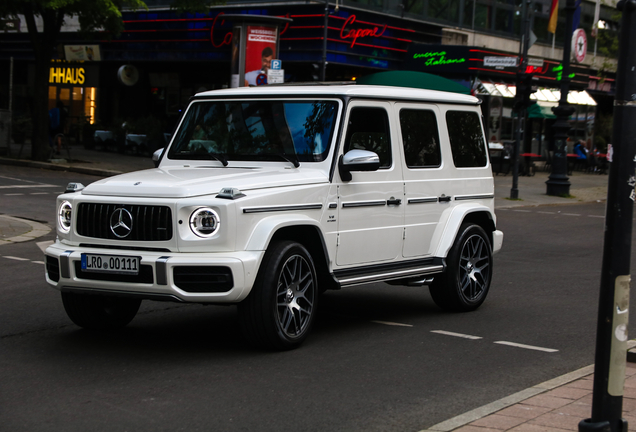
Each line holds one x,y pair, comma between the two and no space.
524,90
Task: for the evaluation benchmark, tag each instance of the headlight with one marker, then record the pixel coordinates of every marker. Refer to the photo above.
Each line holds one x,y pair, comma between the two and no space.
204,222
64,216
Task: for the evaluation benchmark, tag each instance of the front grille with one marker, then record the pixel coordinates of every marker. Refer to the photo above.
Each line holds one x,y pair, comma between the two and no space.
53,268
203,279
149,223
144,276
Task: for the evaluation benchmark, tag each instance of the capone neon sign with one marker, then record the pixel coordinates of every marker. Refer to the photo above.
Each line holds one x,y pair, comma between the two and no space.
354,34
227,39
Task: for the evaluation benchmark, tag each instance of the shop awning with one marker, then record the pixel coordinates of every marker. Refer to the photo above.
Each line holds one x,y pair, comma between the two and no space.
541,110
414,80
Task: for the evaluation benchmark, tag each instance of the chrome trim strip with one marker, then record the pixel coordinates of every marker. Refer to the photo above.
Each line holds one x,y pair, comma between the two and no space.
364,204
422,200
65,264
471,197
161,272
282,208
397,274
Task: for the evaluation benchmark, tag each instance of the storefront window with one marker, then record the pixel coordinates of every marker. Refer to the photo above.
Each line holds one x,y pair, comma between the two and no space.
446,10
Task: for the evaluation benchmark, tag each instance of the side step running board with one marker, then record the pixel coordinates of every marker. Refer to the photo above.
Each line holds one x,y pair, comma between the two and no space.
386,275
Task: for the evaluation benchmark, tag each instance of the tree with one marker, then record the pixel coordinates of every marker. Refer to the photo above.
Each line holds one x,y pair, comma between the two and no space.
93,15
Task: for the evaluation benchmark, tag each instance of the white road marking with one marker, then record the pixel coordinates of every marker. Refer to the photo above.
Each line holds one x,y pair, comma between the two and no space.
570,214
38,262
392,323
544,212
27,186
39,193
465,336
530,347
15,258
13,194
523,211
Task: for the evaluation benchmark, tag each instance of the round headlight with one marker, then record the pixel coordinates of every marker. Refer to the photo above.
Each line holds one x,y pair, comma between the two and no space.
64,216
204,222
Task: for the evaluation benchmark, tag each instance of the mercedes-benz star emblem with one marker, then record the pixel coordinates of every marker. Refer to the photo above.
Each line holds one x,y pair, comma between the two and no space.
121,222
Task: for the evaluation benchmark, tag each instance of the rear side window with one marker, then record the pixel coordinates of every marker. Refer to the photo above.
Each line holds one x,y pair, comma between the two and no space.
368,129
466,139
420,138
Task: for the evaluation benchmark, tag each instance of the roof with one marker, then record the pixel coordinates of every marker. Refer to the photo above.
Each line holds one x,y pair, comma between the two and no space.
360,91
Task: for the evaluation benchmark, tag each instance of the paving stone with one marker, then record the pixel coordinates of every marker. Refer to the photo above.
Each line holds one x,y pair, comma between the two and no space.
498,421
568,393
547,401
524,411
560,421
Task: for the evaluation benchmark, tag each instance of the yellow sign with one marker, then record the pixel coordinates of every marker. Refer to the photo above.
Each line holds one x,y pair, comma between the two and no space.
66,75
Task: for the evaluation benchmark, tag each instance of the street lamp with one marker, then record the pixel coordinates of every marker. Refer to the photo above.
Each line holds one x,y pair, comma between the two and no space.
558,183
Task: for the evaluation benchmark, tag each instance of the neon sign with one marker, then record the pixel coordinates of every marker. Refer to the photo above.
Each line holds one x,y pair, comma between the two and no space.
354,34
437,58
559,72
227,39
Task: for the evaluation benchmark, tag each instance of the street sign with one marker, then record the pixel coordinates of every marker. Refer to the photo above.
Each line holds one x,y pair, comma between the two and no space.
277,64
500,61
579,45
276,76
261,79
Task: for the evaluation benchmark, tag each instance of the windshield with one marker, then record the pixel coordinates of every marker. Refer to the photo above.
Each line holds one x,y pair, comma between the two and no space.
262,130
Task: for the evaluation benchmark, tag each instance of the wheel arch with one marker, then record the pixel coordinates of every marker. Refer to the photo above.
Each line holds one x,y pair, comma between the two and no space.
305,231
478,215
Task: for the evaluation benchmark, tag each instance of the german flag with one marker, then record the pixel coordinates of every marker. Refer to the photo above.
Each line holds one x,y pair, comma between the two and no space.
554,12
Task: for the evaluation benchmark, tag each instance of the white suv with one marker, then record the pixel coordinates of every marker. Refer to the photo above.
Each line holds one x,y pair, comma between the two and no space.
268,196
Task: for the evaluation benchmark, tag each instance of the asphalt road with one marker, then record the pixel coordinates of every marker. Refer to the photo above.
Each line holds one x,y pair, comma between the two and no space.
380,358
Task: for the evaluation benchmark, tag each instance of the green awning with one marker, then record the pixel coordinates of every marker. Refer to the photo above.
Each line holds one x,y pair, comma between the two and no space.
413,79
540,111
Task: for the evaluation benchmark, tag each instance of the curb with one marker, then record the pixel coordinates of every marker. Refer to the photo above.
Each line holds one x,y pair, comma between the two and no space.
58,167
37,230
498,405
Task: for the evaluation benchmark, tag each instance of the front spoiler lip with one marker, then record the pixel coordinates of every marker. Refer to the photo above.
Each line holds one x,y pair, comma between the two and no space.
243,265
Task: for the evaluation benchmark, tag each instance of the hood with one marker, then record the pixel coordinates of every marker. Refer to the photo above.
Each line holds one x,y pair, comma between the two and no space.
182,182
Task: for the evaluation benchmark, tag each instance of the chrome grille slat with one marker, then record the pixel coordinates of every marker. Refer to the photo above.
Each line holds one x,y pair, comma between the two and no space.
93,220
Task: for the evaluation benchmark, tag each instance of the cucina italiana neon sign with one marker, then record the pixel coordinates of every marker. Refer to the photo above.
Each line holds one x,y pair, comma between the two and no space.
354,34
437,58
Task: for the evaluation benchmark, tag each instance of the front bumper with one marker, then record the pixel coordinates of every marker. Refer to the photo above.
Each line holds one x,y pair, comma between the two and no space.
186,277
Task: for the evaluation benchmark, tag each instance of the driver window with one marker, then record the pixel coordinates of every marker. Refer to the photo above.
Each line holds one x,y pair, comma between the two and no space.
368,129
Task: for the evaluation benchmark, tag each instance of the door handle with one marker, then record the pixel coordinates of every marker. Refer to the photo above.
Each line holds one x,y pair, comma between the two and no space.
393,201
444,198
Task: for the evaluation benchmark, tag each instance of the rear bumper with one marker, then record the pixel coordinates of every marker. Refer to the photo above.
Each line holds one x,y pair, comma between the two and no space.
191,277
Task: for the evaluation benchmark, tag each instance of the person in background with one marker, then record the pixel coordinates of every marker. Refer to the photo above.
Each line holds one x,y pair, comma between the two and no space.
57,121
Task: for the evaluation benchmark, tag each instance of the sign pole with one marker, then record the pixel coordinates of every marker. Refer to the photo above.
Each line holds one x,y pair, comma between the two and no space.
613,310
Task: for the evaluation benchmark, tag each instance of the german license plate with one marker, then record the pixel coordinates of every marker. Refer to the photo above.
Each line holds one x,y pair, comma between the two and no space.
110,264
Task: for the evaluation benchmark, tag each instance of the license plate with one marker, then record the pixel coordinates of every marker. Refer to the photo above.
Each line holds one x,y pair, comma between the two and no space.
110,264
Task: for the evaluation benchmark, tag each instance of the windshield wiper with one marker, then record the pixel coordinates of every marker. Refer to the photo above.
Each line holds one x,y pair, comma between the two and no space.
293,161
219,157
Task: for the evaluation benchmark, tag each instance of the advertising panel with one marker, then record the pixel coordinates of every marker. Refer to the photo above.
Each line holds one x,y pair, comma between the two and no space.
260,49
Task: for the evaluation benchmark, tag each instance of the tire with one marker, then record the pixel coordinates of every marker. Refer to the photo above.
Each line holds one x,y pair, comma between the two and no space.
465,284
280,310
96,312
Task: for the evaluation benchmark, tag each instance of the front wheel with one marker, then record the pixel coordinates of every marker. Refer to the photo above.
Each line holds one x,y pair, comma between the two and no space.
464,285
96,312
280,309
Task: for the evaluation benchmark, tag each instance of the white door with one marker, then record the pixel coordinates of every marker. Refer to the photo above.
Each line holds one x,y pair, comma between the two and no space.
370,206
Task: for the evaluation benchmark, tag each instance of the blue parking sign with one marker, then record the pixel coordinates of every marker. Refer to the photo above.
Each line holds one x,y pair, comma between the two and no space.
277,65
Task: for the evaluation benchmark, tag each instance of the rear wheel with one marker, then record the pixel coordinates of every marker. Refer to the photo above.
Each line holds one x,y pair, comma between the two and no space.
464,285
96,312
280,310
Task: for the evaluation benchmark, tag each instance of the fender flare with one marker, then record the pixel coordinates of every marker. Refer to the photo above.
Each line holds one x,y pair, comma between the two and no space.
265,229
453,222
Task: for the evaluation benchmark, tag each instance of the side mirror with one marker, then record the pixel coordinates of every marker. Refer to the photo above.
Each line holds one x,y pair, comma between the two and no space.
156,156
357,160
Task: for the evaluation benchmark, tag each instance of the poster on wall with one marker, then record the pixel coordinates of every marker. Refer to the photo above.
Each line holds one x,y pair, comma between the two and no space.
260,49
